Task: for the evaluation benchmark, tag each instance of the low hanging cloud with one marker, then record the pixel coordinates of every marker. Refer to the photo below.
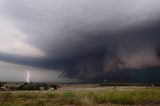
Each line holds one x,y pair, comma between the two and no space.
87,39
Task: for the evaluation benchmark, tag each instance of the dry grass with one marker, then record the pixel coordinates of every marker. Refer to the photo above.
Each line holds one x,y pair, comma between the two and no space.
102,97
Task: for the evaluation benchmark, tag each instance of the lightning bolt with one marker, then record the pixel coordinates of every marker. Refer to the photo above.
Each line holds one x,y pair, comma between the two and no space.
28,76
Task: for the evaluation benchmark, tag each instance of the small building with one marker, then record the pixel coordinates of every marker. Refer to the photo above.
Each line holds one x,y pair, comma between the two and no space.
51,89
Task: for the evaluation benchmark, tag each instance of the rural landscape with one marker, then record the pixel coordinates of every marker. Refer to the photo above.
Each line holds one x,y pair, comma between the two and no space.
82,95
79,52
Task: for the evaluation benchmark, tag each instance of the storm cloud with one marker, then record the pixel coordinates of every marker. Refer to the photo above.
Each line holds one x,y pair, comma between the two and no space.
85,39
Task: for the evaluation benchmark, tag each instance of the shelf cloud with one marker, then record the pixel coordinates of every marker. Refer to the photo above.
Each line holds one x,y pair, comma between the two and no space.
85,39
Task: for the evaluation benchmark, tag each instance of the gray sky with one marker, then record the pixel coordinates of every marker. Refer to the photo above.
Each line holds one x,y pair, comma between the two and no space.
13,72
85,39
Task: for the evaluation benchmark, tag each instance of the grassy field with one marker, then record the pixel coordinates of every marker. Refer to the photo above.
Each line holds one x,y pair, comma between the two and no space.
83,97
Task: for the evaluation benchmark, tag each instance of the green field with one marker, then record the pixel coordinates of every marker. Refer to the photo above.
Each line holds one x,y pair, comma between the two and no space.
86,97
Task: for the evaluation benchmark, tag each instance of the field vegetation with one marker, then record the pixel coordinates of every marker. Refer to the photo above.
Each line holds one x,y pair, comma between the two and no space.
102,97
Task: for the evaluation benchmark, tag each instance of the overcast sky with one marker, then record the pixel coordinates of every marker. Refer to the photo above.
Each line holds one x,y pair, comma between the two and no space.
79,40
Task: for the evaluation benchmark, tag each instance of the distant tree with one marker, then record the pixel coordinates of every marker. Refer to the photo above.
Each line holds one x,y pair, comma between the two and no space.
21,87
28,86
25,83
55,86
1,84
46,87
36,88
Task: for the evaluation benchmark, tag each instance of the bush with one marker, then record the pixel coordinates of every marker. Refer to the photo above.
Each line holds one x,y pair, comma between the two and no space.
1,84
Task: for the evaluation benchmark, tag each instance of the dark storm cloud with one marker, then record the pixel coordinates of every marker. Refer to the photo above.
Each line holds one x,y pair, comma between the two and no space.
89,39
